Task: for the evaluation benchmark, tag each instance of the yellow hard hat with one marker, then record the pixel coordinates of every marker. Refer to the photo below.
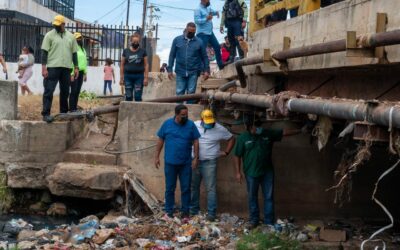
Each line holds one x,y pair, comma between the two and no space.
207,116
77,35
58,20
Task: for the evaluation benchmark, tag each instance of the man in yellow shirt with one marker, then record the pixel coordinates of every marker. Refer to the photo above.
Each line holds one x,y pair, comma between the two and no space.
307,6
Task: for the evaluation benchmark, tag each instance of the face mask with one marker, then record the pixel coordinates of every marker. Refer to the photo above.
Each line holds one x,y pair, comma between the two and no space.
259,131
135,45
58,29
184,119
80,43
207,4
208,126
190,35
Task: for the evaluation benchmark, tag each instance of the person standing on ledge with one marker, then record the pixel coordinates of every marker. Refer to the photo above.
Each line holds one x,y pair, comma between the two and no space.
59,52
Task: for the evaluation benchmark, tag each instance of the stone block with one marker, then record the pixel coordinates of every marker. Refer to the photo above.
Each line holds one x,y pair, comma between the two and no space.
27,175
8,100
98,182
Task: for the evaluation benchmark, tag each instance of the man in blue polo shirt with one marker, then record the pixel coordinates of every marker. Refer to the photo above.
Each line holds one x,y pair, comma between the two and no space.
179,135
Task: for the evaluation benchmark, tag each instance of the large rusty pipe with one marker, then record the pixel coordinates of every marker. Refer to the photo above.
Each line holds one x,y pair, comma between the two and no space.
311,50
262,101
381,114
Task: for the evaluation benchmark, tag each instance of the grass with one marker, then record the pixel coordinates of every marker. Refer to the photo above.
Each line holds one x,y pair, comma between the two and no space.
257,240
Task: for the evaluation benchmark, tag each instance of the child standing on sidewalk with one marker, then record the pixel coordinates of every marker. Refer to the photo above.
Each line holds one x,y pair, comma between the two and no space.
109,76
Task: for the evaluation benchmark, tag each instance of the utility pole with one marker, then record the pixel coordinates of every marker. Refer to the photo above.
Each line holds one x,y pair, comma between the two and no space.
150,25
127,12
144,17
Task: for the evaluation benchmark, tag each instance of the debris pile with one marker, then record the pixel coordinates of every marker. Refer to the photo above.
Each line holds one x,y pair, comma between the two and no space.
119,232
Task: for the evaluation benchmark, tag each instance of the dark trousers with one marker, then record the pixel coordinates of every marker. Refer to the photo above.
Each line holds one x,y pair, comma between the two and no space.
211,39
234,27
107,84
266,182
56,75
134,86
76,87
172,172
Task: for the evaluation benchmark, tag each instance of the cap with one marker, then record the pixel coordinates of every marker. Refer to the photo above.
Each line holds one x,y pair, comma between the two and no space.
207,116
77,35
58,20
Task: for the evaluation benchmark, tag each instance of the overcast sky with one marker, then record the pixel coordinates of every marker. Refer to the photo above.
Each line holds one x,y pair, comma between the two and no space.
171,22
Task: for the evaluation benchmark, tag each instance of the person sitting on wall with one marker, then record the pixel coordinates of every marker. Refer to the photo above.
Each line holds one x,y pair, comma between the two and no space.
225,50
163,68
253,150
178,134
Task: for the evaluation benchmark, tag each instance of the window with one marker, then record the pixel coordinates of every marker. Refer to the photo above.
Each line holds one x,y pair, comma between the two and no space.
63,7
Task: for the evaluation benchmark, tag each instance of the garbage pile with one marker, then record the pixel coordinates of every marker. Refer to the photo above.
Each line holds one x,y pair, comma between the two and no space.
119,232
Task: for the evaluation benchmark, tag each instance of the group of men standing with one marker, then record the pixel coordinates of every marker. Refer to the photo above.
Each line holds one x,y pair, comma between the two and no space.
188,51
192,150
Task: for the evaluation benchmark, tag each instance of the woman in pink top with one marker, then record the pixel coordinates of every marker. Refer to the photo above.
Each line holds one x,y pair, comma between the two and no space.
108,76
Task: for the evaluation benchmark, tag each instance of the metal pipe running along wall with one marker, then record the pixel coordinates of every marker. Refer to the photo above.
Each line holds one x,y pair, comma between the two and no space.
381,114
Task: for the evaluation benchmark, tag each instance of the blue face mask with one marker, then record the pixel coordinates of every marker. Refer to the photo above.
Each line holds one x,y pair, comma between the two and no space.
259,131
208,126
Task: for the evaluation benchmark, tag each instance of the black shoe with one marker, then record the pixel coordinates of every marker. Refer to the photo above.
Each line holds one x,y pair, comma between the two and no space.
251,225
221,67
48,118
210,218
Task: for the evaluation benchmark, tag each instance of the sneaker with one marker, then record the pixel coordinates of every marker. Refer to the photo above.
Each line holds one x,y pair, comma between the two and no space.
167,218
48,118
185,218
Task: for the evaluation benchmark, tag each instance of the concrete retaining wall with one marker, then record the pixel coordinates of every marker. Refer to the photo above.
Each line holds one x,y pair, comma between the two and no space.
36,142
8,100
302,174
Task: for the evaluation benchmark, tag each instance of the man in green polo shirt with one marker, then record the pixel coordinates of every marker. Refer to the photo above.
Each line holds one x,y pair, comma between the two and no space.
59,52
254,149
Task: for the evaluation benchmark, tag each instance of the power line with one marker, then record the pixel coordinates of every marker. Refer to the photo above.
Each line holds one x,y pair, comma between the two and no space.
106,14
168,6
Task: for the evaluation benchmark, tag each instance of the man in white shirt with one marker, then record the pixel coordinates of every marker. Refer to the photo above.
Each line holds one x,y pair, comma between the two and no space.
212,134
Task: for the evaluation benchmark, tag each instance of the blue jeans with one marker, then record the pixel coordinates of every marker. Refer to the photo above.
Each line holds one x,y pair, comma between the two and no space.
206,170
211,39
186,84
107,84
172,172
134,84
267,185
234,27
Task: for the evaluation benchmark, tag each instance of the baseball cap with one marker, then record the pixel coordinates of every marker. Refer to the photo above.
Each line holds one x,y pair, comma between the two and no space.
58,20
207,116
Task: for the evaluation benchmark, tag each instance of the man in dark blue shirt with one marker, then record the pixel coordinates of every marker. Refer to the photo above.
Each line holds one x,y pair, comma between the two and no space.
179,135
191,60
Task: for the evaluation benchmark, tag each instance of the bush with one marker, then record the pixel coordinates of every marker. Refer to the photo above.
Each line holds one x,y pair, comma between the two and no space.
87,96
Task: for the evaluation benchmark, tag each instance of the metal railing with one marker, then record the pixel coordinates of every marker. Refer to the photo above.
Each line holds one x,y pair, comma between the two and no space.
100,41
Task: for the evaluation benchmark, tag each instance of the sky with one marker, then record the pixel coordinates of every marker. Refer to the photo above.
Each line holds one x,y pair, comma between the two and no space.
172,17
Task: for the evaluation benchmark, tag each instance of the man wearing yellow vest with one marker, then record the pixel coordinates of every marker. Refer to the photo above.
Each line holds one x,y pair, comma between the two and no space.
76,83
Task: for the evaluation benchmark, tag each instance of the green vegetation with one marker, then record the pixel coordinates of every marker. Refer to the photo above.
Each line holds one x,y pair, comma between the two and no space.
6,195
87,96
257,240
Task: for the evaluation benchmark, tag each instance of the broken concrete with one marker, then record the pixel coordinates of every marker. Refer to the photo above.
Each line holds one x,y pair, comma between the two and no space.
98,182
8,100
27,175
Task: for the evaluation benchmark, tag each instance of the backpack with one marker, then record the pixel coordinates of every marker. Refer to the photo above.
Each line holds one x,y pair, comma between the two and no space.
233,10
